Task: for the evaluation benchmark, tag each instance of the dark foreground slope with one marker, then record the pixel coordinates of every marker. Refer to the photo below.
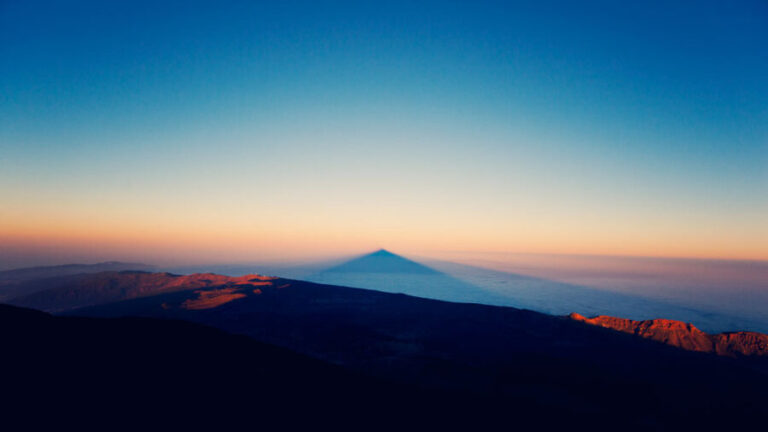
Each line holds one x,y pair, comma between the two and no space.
106,373
514,357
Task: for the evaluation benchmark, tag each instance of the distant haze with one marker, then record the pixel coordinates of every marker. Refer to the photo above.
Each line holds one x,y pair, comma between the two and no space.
714,295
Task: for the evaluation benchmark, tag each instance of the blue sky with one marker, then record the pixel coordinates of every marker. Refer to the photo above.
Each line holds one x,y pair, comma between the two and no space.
564,127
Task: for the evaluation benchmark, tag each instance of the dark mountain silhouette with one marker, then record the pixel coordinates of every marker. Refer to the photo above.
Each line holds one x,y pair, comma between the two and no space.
495,353
686,336
384,271
12,282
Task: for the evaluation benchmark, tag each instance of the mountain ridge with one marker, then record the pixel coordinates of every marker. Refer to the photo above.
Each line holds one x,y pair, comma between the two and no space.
685,335
210,290
76,291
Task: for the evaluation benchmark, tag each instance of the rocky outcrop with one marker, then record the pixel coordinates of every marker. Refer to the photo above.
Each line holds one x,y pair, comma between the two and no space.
685,335
743,343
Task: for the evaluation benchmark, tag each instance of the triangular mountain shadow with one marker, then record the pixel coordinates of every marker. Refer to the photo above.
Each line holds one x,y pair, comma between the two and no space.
381,261
442,280
384,271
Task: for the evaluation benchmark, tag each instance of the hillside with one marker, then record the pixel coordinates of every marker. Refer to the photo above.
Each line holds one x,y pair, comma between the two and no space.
474,355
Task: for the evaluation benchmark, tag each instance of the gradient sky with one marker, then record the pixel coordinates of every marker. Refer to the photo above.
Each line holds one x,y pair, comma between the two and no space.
228,131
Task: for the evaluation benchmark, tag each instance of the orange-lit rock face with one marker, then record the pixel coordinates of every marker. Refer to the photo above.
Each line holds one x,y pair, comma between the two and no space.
211,279
685,335
140,284
232,288
159,282
744,343
212,298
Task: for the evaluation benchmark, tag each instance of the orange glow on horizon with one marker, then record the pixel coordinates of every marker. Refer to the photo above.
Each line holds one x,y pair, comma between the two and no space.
212,243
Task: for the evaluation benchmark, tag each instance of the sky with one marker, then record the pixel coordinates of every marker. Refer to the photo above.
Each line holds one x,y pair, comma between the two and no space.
232,131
